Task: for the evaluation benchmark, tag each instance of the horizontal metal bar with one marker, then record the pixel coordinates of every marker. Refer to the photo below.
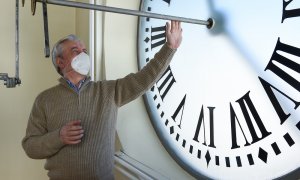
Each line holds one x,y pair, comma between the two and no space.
208,23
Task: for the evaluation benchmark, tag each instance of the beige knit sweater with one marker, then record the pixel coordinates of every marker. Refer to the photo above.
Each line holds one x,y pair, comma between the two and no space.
96,105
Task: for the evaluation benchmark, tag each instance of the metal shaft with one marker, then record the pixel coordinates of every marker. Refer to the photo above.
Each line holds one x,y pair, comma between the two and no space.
208,23
17,39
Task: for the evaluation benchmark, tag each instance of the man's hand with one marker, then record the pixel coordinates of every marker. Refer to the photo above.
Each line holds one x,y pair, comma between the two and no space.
174,34
71,133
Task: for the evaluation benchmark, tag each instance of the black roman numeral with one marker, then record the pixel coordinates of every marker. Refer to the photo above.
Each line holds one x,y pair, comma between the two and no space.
211,127
285,62
167,1
242,102
281,114
158,36
289,13
167,82
179,108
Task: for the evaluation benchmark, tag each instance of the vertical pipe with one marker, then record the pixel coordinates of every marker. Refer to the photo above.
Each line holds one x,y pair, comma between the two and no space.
17,40
92,40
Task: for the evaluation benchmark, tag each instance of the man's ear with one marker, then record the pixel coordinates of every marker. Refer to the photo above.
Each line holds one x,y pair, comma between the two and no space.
60,63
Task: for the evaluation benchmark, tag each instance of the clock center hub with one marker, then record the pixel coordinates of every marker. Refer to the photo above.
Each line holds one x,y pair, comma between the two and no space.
211,23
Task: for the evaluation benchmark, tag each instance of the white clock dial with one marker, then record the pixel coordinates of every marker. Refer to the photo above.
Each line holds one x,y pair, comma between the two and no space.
227,107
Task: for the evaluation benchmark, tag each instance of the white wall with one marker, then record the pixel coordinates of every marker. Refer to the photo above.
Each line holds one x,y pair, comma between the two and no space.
82,23
135,131
36,72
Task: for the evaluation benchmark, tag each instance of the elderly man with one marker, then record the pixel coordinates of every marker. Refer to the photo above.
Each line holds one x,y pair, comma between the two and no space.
72,124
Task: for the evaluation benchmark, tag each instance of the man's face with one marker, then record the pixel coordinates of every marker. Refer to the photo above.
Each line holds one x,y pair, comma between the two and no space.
70,50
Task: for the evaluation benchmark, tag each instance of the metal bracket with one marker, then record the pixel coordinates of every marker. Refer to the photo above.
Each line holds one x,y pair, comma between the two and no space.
46,32
45,18
33,7
9,82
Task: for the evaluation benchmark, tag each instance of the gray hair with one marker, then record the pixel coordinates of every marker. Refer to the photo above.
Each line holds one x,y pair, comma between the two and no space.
58,49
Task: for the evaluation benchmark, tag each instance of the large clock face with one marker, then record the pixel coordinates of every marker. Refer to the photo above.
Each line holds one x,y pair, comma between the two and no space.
227,106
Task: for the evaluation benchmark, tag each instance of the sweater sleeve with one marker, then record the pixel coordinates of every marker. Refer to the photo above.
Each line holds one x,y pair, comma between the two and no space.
38,143
136,84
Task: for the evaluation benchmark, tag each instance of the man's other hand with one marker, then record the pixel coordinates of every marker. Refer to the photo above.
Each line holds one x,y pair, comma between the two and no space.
72,132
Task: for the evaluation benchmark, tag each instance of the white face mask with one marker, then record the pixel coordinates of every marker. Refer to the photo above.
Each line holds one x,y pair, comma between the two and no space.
81,63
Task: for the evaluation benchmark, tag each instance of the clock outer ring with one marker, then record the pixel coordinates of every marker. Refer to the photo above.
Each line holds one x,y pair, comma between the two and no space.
162,135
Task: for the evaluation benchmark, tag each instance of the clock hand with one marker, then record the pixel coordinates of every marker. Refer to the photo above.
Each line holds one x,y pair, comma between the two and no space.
221,27
218,17
240,46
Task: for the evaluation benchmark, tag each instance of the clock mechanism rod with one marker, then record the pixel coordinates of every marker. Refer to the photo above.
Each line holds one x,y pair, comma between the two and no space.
208,23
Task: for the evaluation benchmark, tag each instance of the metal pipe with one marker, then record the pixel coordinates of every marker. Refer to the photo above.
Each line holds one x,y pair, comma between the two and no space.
11,82
132,168
208,23
17,39
137,168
